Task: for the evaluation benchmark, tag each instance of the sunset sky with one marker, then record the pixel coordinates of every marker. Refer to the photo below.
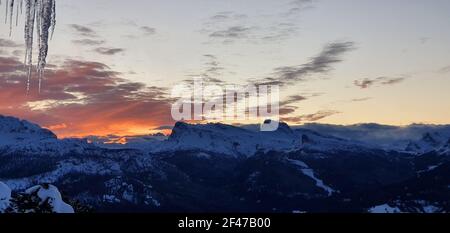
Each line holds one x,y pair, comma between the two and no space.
112,63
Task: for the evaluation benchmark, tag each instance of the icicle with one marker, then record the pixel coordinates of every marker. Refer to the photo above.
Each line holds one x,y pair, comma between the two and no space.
29,29
6,14
17,15
53,18
46,23
42,15
39,20
11,13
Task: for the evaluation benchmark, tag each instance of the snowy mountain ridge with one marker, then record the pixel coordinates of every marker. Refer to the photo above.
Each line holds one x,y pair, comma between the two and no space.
414,138
292,168
227,139
22,136
430,142
13,129
240,141
235,141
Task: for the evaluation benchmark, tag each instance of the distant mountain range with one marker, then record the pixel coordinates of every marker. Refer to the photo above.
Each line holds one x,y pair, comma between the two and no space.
223,168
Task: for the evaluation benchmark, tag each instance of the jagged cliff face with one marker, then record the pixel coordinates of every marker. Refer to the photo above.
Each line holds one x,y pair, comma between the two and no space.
241,142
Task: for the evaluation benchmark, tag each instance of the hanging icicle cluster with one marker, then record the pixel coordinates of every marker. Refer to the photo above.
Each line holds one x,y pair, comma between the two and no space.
39,15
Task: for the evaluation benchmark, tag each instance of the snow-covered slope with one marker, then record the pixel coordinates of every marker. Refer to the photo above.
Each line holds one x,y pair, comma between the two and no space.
5,196
306,170
50,194
387,137
44,198
445,149
398,206
313,141
384,209
218,138
13,130
237,141
199,161
20,136
429,142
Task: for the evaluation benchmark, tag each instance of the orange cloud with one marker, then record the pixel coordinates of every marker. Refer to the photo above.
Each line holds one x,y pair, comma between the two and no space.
57,127
81,98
